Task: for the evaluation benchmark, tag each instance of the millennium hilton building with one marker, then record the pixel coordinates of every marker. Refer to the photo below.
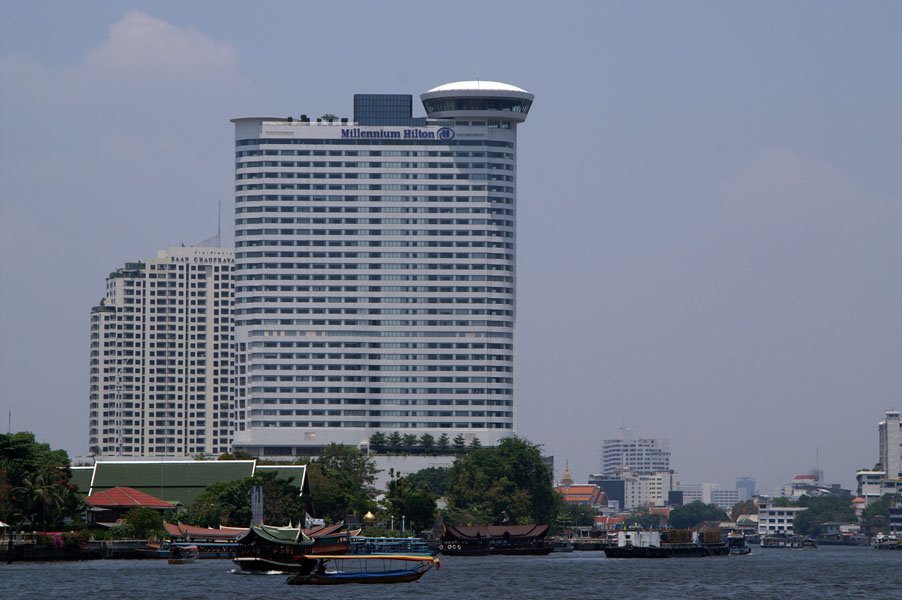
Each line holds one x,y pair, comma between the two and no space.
374,271
161,356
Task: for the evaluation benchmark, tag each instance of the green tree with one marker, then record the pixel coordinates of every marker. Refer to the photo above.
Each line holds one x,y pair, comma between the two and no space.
574,515
35,488
643,519
444,443
459,442
783,501
394,441
406,497
329,117
508,481
475,443
144,523
409,441
341,482
236,455
378,441
435,479
695,513
746,507
229,503
41,497
822,509
427,442
881,506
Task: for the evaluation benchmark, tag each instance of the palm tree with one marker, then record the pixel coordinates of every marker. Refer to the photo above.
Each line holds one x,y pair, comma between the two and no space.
40,497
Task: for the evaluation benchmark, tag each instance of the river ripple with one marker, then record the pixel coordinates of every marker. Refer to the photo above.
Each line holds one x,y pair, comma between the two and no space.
828,572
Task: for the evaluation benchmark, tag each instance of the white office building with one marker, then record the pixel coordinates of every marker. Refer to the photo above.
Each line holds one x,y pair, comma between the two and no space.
375,270
647,489
777,519
641,456
161,357
890,431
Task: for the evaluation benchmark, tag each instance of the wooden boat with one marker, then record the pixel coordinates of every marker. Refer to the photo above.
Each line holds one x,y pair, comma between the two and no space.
481,540
266,548
388,545
340,569
181,555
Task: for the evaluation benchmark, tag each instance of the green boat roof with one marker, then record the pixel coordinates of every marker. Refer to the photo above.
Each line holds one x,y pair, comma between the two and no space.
279,535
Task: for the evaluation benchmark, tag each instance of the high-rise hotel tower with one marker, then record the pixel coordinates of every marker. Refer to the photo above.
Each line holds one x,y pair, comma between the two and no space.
374,281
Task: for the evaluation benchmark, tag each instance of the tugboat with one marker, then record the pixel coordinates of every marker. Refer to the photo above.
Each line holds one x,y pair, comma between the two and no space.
737,544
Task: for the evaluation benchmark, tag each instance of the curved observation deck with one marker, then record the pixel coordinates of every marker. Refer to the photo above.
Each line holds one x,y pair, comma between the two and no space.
477,100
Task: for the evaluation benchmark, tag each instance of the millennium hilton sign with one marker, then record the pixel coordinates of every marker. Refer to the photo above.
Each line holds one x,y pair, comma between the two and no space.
442,133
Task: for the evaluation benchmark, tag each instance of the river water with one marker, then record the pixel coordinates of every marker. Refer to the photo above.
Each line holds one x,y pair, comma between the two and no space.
828,572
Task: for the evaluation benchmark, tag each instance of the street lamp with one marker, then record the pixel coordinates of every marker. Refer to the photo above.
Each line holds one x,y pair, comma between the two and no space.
402,525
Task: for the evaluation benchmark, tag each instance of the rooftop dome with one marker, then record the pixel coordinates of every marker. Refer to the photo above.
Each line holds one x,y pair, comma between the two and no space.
459,86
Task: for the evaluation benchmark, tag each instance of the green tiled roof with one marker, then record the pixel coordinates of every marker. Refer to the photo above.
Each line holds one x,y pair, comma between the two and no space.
176,481
173,481
81,479
297,474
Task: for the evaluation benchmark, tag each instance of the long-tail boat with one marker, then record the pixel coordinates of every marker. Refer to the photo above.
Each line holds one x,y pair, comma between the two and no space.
379,568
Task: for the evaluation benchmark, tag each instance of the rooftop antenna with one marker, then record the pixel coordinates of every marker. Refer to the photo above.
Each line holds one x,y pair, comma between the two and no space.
9,422
219,223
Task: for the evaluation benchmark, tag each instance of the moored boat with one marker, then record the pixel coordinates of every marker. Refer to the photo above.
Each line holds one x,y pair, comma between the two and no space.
669,543
267,548
481,540
379,568
737,544
887,542
781,540
389,545
182,554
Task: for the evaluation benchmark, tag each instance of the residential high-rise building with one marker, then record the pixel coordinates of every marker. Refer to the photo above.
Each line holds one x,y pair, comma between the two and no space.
161,356
642,456
374,278
890,429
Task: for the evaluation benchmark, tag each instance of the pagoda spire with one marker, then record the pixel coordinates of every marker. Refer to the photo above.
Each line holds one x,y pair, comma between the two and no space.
567,481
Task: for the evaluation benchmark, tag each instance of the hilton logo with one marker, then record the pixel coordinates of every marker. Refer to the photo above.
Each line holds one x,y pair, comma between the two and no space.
443,133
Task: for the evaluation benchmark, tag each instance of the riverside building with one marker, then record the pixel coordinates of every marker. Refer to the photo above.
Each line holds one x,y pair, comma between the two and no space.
161,356
374,272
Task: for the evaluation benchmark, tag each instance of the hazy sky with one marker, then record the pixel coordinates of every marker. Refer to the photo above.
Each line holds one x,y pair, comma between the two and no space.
710,199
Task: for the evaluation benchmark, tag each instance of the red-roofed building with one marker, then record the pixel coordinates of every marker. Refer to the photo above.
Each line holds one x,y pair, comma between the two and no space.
584,494
110,505
180,531
604,523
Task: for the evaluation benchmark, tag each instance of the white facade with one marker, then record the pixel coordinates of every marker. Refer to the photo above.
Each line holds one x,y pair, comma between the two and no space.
641,456
724,499
647,489
776,519
161,357
375,272
890,430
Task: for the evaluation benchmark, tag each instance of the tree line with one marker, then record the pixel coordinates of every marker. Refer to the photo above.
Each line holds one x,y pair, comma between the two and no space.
408,443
